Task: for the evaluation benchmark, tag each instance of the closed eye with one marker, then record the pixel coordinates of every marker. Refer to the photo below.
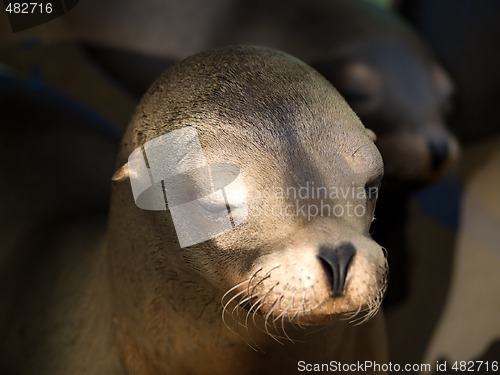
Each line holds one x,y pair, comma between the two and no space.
372,188
213,203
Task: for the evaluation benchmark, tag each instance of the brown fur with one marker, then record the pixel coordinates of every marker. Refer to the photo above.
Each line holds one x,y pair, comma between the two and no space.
279,121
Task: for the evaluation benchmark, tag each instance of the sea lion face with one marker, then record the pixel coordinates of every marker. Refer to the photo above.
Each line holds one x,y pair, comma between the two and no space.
304,253
405,98
311,172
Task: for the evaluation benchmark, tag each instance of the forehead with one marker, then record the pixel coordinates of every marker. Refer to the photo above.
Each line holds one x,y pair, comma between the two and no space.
328,151
269,111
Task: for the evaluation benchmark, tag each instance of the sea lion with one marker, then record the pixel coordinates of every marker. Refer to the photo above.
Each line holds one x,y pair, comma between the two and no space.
286,128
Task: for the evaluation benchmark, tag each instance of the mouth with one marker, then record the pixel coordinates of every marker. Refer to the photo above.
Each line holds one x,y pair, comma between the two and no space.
271,302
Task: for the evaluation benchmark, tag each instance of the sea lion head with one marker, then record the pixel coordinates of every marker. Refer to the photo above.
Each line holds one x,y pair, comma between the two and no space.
310,173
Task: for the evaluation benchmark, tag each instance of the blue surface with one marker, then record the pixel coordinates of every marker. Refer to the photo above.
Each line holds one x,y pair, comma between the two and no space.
441,201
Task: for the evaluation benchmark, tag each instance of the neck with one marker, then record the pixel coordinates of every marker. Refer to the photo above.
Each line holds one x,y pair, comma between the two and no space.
164,319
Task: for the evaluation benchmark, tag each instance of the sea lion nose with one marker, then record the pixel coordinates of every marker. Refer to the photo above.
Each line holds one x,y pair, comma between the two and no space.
336,261
440,150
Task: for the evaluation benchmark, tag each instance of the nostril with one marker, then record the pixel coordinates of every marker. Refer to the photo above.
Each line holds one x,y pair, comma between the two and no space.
336,261
440,150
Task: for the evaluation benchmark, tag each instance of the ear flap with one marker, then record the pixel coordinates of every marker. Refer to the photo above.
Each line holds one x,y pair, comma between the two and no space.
121,174
371,134
442,80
